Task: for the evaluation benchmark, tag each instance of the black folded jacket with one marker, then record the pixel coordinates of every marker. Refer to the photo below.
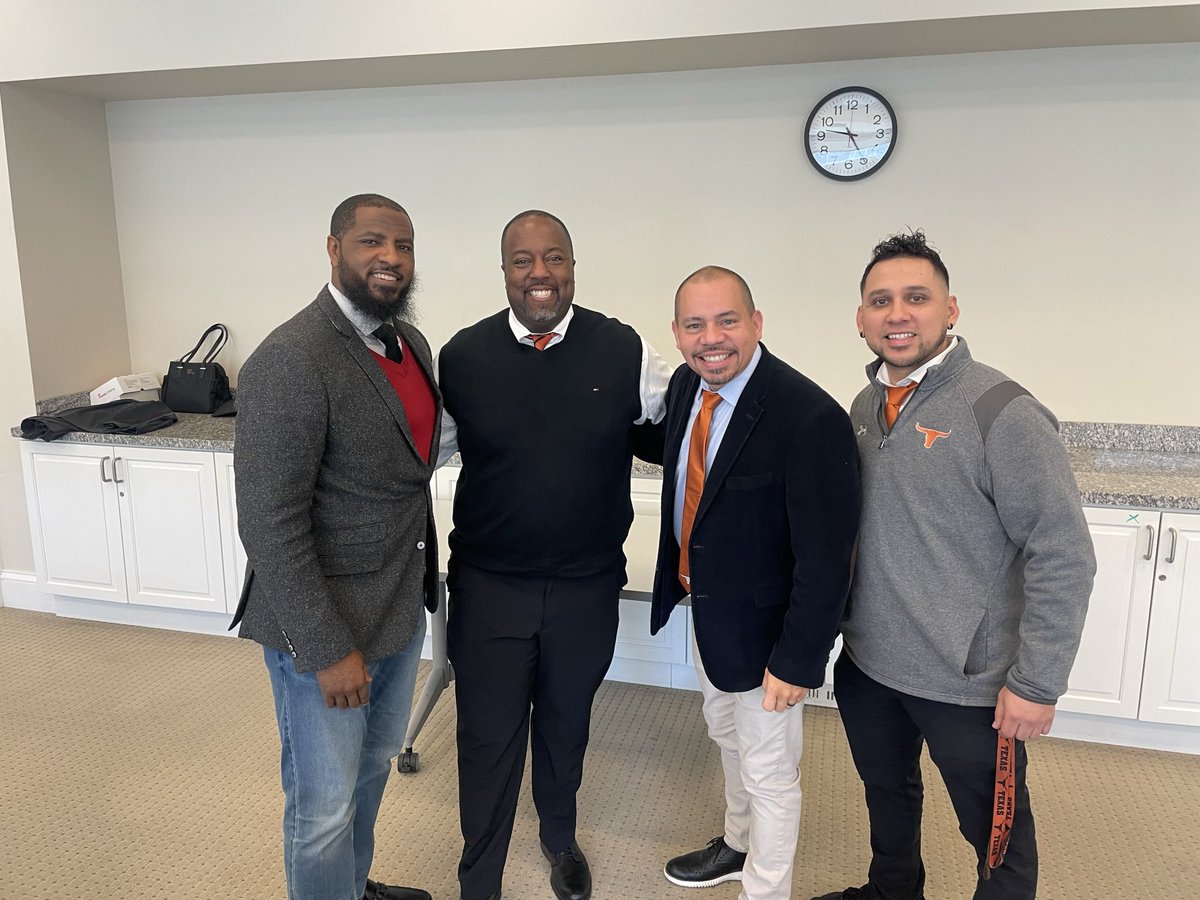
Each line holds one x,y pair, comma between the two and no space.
117,417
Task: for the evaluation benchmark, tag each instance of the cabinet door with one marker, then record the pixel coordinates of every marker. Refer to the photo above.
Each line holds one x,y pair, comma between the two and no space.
641,544
171,528
1171,686
1107,675
233,555
74,519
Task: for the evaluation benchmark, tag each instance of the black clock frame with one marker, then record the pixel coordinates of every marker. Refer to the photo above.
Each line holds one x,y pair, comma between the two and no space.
882,162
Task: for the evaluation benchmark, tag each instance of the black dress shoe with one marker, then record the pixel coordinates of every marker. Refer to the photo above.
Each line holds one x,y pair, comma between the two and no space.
708,867
495,896
866,892
377,891
570,876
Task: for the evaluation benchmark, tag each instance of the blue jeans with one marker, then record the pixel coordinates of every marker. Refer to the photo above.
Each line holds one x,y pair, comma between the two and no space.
334,765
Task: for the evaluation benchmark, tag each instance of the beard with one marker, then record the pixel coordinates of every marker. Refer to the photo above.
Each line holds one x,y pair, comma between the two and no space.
357,291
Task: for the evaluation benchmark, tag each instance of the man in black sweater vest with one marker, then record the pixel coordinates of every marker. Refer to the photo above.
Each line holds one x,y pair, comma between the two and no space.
547,403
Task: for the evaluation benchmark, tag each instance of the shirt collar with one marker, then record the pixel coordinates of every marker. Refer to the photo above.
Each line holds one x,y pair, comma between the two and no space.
731,391
520,332
920,372
362,323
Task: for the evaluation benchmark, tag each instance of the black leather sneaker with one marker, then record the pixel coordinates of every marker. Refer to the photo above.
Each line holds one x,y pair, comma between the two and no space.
704,868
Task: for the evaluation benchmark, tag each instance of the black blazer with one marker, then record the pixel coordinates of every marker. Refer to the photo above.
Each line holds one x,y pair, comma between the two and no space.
773,538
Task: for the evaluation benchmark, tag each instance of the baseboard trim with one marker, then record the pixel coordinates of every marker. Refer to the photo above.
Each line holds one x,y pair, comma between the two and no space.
19,590
191,620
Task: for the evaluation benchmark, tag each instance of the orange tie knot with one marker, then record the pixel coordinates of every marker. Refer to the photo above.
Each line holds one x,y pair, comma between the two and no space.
895,399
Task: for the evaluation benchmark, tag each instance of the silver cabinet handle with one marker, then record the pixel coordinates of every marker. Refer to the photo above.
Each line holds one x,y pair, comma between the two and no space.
116,480
1149,543
103,473
1174,540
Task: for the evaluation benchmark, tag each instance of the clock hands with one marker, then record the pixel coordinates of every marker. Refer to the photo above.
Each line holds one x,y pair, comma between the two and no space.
848,133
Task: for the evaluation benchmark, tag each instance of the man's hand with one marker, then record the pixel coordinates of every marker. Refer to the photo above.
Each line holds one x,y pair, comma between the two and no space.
346,684
1022,719
779,696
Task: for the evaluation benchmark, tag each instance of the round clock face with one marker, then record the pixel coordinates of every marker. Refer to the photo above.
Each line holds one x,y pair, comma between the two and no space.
850,134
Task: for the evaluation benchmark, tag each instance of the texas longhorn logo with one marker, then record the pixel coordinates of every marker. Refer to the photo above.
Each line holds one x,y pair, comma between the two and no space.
931,435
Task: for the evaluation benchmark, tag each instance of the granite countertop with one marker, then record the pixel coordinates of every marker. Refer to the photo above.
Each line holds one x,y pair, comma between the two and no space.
1145,466
192,432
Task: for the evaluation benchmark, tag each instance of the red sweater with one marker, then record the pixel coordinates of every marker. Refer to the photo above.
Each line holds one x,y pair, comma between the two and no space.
416,396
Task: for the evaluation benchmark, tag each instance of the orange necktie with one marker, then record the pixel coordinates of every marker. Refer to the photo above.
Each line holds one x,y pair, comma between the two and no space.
541,340
895,399
694,485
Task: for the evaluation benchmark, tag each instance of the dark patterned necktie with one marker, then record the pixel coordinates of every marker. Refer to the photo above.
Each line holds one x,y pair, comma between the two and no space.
387,336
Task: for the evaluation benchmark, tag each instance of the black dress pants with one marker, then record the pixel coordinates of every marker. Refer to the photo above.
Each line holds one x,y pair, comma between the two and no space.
886,729
528,656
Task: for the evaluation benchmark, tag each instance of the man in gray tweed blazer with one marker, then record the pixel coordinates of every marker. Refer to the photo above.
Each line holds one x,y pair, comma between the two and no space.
337,415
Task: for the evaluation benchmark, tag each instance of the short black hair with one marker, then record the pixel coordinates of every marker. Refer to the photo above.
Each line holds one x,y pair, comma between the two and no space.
712,273
913,245
539,214
343,217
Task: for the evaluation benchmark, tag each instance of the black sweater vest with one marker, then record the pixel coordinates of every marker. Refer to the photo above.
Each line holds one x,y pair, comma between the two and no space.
545,443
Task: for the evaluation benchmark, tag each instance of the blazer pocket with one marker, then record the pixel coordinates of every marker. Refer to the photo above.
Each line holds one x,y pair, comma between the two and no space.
359,562
352,551
749,482
772,595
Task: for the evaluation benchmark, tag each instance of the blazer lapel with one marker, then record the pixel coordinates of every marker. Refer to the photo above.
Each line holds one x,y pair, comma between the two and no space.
745,416
370,368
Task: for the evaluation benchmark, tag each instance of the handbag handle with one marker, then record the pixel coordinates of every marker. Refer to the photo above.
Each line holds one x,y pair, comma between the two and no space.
222,337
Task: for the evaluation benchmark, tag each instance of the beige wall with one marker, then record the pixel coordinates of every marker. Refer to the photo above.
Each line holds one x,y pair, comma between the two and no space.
16,384
1070,235
62,205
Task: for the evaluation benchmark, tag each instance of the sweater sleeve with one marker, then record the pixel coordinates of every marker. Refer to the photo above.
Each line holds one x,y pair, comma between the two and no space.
1038,503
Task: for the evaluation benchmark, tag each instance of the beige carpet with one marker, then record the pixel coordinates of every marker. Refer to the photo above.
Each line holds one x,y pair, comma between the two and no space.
144,764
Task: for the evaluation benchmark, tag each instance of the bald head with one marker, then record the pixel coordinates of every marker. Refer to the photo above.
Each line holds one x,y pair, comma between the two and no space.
709,274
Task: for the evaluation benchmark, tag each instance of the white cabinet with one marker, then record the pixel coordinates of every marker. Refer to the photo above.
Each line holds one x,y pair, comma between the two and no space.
1140,653
126,524
1171,684
75,520
1107,676
232,552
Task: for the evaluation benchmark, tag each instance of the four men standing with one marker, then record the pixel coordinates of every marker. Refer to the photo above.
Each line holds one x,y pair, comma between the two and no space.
972,576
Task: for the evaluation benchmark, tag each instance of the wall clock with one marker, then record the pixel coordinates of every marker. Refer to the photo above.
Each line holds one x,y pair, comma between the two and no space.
850,134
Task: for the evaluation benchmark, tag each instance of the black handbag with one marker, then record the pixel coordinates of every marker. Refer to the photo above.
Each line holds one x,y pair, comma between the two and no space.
198,387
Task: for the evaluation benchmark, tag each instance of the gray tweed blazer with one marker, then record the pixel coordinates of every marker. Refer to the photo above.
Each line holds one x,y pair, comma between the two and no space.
334,506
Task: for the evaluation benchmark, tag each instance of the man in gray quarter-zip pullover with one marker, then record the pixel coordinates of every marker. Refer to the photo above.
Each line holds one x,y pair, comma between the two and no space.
972,579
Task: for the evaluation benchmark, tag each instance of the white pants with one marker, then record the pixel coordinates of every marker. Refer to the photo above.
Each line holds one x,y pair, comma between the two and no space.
760,753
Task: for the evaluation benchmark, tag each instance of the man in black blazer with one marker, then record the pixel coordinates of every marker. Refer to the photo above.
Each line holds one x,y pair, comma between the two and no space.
768,515
337,433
